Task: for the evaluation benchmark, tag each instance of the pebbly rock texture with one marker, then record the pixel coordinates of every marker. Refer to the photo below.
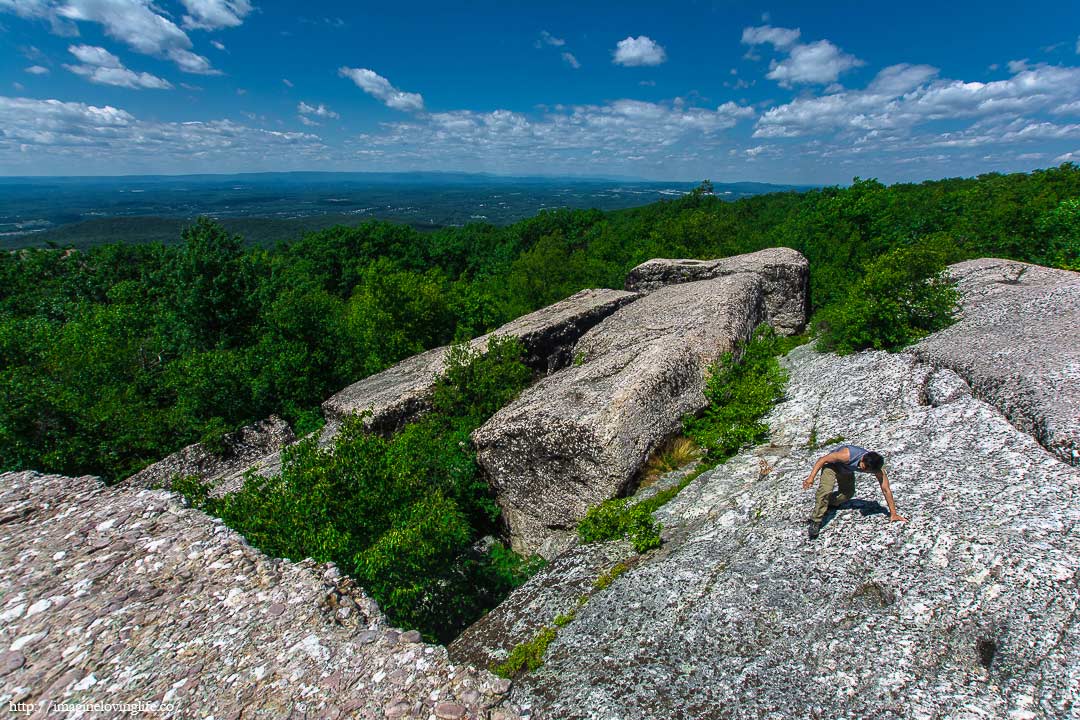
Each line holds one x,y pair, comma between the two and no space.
243,448
122,595
401,393
785,274
579,436
970,609
1018,344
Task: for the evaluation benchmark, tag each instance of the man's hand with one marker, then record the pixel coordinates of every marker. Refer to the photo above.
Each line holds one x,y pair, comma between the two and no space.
808,482
896,517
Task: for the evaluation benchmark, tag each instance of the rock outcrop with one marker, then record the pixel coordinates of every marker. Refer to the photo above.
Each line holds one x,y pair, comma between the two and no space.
1017,343
970,609
120,595
784,272
403,392
221,470
579,436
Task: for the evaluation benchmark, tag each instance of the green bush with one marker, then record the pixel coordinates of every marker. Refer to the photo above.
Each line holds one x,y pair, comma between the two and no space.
897,299
400,514
740,392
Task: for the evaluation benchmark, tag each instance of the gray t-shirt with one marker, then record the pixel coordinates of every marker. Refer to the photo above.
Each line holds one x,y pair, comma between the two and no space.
852,465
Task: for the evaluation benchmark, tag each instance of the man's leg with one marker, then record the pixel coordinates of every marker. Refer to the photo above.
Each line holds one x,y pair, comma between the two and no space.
845,482
825,488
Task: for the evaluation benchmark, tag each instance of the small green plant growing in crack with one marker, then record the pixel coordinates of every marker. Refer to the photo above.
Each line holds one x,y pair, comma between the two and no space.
526,656
579,358
605,580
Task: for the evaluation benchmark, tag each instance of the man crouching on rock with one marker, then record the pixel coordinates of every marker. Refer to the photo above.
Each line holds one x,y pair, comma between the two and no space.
838,468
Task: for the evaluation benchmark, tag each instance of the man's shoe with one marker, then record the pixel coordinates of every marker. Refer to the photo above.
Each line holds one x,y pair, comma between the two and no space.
814,530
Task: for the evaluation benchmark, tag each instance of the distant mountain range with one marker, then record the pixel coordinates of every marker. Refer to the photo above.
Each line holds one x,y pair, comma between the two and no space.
266,207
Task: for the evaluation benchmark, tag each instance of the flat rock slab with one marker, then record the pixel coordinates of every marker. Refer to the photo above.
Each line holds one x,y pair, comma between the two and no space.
970,609
785,274
243,448
122,595
579,436
402,393
1017,343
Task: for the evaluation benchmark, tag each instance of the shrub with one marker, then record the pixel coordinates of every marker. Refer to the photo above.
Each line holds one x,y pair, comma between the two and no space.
899,298
740,392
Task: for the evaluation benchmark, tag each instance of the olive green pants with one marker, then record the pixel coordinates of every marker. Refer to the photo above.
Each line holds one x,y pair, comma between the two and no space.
831,479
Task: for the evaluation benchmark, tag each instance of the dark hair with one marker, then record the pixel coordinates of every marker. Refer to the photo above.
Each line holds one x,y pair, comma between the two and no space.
873,461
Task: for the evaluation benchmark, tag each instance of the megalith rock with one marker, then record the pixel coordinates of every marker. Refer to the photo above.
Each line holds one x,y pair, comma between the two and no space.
242,449
579,436
1017,343
122,595
969,609
403,392
784,272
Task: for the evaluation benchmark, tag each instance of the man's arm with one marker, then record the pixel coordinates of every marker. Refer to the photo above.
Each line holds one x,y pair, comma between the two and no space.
838,456
883,479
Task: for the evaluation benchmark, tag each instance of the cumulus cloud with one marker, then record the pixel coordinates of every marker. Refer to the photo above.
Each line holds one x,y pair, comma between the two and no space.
100,66
215,14
778,37
898,79
818,62
570,60
319,110
37,70
638,51
380,88
109,139
137,23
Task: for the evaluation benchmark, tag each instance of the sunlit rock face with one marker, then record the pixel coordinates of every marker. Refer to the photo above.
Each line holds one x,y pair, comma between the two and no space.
970,608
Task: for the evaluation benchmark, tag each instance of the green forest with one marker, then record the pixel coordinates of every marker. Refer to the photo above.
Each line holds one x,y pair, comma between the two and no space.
113,357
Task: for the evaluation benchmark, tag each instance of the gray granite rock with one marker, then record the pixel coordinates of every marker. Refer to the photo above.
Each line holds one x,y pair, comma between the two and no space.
121,595
970,609
1017,343
785,275
579,436
401,393
243,448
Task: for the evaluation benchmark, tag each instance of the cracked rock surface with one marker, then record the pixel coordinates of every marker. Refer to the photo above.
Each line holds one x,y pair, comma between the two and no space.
124,595
1017,343
970,609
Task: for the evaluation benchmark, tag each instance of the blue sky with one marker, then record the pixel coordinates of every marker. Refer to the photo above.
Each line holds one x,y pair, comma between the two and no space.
790,92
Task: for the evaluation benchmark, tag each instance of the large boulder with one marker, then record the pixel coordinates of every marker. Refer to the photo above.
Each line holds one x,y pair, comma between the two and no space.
221,468
970,609
580,436
784,272
1017,343
402,393
122,595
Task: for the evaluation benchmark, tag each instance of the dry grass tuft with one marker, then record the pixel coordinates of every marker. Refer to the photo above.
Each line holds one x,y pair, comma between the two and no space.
674,454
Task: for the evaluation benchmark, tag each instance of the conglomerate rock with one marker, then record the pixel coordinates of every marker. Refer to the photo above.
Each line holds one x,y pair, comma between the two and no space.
1018,343
242,449
121,595
969,609
403,392
579,436
785,275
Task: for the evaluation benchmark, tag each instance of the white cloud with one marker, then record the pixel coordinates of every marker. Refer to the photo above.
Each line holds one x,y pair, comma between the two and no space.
218,44
779,38
320,111
215,14
898,79
37,70
570,60
137,23
380,88
547,38
1072,108
639,51
818,62
54,135
308,121
287,82
100,66
1069,156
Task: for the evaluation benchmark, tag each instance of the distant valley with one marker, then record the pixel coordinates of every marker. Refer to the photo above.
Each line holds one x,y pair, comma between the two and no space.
268,207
